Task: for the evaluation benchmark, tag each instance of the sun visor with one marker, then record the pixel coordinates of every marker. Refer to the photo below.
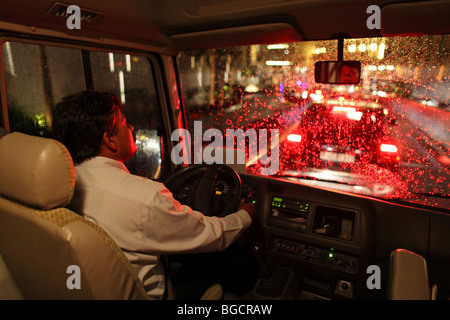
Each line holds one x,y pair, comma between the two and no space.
237,36
416,18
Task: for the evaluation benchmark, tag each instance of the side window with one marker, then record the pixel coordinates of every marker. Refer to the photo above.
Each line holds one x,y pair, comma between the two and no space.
36,78
131,78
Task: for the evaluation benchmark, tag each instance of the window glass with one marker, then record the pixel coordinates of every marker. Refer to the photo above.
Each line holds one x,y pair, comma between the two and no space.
130,77
36,78
387,136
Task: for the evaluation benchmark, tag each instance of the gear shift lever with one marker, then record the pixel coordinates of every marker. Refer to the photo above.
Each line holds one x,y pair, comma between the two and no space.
265,269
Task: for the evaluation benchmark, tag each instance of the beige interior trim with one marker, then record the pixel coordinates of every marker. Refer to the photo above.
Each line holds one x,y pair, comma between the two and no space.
261,33
8,287
409,276
401,18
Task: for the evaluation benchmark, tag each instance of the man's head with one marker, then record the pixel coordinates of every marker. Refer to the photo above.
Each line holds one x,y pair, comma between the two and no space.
349,74
92,124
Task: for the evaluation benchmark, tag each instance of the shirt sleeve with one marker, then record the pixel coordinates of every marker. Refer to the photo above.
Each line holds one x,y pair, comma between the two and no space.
173,228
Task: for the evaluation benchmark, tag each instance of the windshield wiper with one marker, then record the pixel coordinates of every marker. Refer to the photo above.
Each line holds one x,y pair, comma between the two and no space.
428,194
311,178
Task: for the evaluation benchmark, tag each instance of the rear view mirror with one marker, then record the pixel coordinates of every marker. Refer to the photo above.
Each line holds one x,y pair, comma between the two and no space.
338,72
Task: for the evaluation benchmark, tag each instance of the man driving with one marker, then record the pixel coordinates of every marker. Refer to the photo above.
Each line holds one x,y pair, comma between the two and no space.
349,74
141,215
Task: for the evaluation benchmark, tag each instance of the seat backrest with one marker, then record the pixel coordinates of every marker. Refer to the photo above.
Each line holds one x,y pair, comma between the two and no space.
50,251
8,287
408,276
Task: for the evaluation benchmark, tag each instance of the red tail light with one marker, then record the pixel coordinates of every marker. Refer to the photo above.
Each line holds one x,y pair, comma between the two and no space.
388,148
294,137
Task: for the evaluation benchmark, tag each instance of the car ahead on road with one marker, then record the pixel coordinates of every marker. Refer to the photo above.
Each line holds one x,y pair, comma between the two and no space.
201,68
341,134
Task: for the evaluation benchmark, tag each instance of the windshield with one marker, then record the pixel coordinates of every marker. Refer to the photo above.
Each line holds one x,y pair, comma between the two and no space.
387,136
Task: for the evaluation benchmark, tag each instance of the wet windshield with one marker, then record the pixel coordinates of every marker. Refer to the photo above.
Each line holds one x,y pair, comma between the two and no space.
388,136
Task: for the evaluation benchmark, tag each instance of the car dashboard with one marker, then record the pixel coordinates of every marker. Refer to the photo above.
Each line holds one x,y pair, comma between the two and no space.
326,240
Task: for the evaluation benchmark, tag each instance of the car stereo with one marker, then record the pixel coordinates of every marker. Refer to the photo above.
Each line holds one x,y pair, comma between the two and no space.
289,213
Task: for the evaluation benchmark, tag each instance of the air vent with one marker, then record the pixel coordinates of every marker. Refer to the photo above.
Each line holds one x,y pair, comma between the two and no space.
60,10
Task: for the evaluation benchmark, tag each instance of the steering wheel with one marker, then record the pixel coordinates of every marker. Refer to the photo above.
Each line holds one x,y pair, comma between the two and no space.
202,196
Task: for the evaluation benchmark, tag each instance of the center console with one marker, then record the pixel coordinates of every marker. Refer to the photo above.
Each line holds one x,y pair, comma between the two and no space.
319,244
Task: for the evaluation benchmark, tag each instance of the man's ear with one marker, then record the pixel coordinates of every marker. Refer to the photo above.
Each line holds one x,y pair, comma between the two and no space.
109,142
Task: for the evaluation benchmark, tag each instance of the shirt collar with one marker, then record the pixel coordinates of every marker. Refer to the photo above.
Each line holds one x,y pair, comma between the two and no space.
100,161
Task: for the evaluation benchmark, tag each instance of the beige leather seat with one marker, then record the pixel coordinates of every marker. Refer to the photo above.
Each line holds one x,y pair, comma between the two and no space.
48,249
409,277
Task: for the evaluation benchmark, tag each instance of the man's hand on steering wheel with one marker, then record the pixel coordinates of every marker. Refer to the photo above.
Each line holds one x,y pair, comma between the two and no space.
249,207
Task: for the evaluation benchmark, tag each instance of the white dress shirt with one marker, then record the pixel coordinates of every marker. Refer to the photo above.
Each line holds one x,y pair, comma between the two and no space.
145,220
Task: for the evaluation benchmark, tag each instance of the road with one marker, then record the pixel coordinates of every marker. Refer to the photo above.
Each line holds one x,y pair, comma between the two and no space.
422,140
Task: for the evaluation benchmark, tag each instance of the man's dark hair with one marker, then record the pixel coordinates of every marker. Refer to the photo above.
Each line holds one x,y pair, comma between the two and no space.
80,120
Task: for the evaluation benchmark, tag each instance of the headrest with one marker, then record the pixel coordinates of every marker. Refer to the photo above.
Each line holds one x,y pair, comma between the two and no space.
36,171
